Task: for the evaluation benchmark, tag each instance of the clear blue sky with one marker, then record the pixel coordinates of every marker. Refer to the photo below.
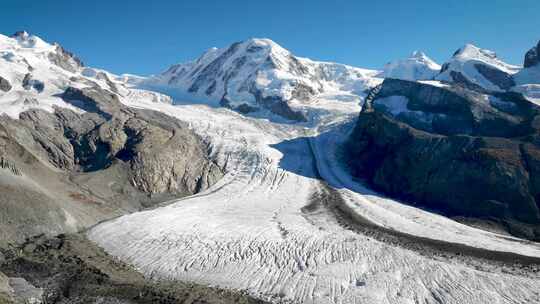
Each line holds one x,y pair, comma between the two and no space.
145,37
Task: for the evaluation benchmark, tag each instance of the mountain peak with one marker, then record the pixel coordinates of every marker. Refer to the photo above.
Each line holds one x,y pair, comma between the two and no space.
418,54
26,40
261,42
21,35
257,45
418,66
469,51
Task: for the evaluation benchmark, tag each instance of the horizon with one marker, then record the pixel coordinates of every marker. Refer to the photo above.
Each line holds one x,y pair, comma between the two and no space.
145,48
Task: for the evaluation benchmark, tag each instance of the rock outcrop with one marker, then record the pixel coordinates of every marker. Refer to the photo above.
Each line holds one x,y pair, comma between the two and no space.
5,86
65,59
453,150
29,82
74,169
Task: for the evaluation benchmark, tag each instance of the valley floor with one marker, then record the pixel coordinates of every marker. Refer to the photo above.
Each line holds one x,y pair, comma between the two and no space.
287,224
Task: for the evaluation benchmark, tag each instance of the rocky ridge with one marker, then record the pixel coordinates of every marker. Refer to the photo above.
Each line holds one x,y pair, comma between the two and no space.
456,147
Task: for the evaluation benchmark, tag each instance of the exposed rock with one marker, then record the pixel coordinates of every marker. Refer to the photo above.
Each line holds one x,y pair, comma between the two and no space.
94,99
303,92
277,105
6,292
453,150
495,76
532,57
459,79
31,83
64,59
456,110
67,170
25,292
4,84
163,154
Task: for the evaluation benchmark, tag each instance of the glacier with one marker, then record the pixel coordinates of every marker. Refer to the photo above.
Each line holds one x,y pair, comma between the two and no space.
263,228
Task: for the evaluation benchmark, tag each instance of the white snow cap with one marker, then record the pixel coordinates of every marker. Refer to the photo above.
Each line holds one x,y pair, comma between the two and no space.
258,67
418,66
465,60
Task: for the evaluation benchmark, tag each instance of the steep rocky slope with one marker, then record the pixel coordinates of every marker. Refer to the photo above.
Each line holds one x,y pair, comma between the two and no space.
457,151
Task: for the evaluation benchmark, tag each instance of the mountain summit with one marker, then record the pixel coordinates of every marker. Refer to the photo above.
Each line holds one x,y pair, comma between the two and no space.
259,73
417,66
478,68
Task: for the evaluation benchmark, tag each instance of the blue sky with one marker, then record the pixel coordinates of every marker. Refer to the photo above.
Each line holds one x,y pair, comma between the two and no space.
145,37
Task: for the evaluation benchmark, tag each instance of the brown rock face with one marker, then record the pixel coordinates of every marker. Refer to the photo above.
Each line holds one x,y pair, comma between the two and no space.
455,151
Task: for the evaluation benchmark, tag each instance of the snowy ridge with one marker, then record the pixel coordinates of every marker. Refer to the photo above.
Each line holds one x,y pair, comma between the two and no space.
474,64
418,66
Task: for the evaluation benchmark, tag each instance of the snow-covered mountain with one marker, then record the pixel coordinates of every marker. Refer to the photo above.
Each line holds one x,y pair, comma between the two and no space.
259,73
34,73
418,66
478,68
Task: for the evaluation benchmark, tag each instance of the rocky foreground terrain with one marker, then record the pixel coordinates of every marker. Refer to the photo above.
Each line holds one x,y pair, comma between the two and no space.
71,269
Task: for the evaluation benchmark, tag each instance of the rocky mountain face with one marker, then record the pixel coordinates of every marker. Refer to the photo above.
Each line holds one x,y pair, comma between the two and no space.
467,147
72,154
418,66
258,73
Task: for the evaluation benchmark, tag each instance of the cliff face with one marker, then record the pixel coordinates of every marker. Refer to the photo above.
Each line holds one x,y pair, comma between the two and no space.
454,150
